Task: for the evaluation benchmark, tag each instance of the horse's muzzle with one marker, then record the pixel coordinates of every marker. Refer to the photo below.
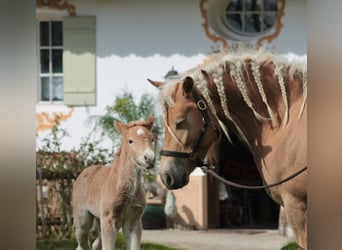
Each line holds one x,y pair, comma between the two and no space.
174,182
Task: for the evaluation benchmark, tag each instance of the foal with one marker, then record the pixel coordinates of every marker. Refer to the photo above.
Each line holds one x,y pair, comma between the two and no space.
113,197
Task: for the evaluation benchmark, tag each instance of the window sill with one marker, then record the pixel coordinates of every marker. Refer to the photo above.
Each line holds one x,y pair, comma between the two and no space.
51,106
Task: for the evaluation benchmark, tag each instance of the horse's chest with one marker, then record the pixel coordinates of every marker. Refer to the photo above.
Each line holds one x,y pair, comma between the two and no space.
130,209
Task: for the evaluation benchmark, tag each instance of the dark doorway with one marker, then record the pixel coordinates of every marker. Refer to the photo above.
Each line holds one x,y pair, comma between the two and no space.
242,208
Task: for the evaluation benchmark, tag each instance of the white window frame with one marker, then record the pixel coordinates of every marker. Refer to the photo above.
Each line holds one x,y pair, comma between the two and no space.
48,15
50,74
217,21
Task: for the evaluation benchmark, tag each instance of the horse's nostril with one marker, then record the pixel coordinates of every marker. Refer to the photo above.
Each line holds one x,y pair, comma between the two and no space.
168,179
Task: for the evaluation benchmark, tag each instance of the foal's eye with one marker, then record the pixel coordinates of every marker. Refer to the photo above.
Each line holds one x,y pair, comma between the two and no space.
130,141
181,124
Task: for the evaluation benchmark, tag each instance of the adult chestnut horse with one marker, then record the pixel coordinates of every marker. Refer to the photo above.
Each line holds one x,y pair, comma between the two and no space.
114,196
258,95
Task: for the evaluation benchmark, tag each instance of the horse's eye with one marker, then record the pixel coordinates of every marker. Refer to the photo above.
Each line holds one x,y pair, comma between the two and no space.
130,141
181,124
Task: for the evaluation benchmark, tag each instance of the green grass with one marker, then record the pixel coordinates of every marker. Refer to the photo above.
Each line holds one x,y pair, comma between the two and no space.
55,244
152,246
71,245
119,245
290,246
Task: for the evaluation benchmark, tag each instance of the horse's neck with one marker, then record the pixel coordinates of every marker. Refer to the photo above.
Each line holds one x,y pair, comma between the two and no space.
128,177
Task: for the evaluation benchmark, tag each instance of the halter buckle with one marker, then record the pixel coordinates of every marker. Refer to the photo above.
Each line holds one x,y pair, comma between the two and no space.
201,105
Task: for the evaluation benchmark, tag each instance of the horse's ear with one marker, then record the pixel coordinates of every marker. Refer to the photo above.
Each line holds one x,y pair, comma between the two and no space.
149,122
120,126
156,83
188,85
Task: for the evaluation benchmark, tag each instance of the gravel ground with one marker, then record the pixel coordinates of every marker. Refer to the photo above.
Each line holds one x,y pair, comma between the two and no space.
242,239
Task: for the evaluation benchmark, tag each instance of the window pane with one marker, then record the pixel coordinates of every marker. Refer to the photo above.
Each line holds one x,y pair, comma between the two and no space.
57,37
253,5
45,89
252,23
57,61
235,5
57,88
235,21
270,5
44,33
269,20
44,61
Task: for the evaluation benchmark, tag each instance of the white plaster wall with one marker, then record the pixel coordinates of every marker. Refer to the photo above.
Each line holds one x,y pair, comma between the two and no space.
293,34
136,40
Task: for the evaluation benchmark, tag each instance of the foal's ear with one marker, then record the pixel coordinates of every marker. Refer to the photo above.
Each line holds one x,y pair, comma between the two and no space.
156,83
188,85
122,127
149,122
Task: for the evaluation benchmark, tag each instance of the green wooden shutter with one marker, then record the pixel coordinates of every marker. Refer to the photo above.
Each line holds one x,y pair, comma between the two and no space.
79,61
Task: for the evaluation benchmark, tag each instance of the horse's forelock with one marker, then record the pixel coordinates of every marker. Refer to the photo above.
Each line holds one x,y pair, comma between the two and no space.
167,93
137,123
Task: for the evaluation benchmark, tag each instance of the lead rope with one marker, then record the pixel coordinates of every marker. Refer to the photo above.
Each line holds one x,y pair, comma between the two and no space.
209,170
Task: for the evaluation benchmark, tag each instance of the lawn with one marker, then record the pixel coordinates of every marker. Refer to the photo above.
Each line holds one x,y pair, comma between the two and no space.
71,245
119,245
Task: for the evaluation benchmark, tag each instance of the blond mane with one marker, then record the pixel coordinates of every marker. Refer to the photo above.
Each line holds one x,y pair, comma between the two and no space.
236,62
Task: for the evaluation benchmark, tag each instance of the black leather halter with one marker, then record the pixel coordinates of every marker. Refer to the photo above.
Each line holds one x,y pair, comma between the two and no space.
193,154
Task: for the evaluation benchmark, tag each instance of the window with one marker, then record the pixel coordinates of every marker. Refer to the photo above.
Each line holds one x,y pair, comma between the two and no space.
251,17
50,61
243,20
67,60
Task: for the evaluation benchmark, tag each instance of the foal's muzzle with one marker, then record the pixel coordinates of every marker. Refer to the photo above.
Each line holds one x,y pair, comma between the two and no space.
148,159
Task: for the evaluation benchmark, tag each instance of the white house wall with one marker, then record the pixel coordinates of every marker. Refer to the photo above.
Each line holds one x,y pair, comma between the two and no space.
136,40
293,35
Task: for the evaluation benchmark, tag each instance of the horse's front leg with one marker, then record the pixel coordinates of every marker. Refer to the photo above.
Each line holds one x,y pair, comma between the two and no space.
108,232
296,213
132,232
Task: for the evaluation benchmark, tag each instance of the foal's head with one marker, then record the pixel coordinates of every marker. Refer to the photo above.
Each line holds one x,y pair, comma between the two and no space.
183,122
137,141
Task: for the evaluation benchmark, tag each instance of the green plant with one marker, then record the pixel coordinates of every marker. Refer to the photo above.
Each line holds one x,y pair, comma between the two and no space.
123,109
290,246
53,141
89,152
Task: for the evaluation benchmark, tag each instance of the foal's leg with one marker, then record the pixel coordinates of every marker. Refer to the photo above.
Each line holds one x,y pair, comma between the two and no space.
132,232
97,243
83,222
296,213
108,232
